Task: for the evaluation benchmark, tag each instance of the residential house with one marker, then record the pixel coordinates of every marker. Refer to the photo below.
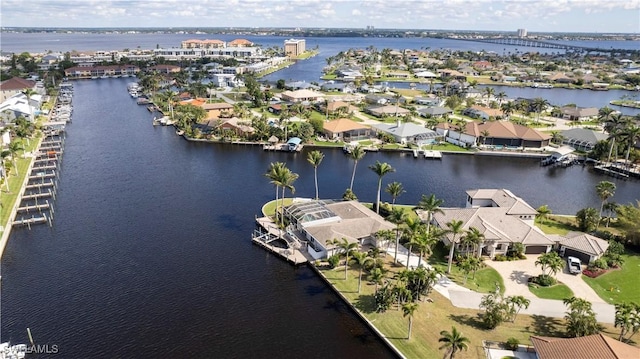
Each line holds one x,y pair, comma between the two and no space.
426,75
218,110
560,78
165,69
346,130
500,216
318,223
435,111
575,113
407,132
302,96
454,74
13,86
591,346
427,100
387,110
582,139
584,246
338,106
482,112
237,126
496,133
17,106
240,43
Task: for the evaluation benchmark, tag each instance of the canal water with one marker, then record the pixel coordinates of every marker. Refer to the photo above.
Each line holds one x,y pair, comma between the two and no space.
150,253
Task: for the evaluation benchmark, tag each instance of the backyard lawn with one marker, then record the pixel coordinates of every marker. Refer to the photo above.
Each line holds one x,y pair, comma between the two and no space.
619,285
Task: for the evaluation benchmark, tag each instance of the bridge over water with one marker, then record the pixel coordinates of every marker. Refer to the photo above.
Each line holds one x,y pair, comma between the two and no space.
523,42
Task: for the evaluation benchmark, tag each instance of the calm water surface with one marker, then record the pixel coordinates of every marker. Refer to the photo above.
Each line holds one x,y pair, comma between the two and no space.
150,254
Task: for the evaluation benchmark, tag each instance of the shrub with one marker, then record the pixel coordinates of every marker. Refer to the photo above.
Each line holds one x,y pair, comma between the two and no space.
333,261
512,344
600,263
593,273
545,280
500,258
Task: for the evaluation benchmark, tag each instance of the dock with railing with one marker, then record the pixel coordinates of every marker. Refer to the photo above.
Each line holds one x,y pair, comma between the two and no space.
270,236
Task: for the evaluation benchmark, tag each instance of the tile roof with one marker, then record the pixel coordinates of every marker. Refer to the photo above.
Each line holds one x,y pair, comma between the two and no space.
16,83
592,346
504,198
584,135
406,129
507,129
584,243
343,125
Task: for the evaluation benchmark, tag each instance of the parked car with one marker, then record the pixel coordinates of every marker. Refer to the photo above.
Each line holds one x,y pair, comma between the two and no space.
574,264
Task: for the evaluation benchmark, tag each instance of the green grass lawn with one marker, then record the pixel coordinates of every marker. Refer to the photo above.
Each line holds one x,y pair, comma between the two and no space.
485,278
431,318
558,291
269,209
619,285
450,147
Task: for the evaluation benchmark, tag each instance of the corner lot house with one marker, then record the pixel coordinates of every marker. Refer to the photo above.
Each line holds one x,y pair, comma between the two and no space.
318,223
502,217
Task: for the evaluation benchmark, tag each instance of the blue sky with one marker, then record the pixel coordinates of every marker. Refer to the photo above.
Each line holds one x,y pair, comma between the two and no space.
602,16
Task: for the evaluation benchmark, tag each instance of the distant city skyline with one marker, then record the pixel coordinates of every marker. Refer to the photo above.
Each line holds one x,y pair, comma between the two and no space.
592,16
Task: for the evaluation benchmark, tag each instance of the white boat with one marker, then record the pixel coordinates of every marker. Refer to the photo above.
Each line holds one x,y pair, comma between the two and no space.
8,351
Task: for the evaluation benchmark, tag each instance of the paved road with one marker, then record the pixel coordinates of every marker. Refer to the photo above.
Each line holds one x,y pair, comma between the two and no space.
462,297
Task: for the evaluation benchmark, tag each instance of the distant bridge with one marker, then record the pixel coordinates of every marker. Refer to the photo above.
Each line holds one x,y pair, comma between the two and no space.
516,41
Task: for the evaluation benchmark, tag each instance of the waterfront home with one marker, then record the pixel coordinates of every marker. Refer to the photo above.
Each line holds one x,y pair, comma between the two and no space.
429,100
503,219
425,75
320,222
337,106
582,139
13,86
18,106
218,110
302,96
165,69
581,245
346,130
494,134
236,126
338,87
482,112
590,346
575,113
407,132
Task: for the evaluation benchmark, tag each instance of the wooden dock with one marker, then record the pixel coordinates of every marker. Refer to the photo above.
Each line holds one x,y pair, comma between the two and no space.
268,232
428,154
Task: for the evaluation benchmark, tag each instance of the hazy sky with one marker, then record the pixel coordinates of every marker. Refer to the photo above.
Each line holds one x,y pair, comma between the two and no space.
601,16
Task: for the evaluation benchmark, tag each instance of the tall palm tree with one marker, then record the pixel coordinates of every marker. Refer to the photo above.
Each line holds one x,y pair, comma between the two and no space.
315,158
347,248
397,216
3,174
357,153
13,149
500,97
489,91
455,227
508,108
430,205
453,341
516,303
287,178
394,189
274,173
474,238
539,104
376,276
30,92
413,229
360,259
631,135
407,311
604,114
605,190
426,240
380,169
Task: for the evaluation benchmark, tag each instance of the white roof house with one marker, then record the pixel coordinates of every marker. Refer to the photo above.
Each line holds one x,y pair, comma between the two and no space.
407,132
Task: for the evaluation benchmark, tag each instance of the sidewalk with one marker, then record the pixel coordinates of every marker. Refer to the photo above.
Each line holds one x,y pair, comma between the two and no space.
462,297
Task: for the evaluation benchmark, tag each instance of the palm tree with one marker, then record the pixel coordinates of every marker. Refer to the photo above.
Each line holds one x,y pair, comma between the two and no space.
357,153
519,302
430,205
605,189
315,158
508,108
30,92
395,190
380,169
631,135
274,173
604,114
414,227
453,342
543,213
360,259
551,261
397,216
485,134
489,91
426,240
376,276
475,238
500,97
539,104
455,228
407,311
347,248
13,149
286,179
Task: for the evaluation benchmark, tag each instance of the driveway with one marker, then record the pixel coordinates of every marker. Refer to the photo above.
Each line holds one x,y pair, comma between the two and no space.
516,273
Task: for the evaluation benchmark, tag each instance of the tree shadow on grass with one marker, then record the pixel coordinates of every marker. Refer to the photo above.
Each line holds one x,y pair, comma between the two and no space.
466,319
365,303
546,326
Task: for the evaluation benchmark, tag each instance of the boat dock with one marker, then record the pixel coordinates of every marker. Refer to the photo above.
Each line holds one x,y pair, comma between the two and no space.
428,154
616,171
268,234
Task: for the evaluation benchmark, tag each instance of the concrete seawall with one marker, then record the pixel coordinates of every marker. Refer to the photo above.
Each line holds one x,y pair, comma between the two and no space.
14,210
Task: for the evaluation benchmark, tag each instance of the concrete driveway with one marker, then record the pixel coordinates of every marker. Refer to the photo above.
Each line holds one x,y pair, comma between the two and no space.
516,273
